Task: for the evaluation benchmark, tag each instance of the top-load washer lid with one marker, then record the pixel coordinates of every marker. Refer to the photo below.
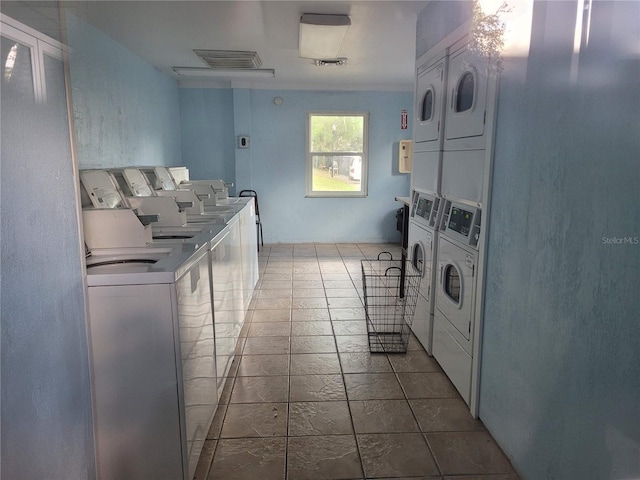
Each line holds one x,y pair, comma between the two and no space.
102,189
137,182
165,178
202,234
141,266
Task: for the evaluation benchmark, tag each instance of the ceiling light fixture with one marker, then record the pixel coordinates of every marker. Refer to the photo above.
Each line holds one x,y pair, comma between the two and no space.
321,35
239,73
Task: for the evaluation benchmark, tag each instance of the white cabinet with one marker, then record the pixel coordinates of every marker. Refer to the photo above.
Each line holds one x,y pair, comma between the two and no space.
249,242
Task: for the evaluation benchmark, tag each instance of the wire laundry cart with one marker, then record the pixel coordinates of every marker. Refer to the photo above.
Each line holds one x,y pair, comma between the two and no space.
390,296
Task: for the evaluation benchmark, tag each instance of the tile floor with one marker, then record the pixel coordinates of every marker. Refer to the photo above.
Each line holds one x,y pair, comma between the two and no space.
307,401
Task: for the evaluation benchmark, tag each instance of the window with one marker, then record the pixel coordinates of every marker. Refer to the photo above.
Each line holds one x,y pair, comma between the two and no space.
337,154
465,91
427,106
31,65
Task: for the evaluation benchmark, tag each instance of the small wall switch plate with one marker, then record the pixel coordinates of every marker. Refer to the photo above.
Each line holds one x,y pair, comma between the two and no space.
243,141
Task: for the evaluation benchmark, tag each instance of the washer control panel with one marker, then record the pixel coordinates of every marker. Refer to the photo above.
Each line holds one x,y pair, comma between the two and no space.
461,222
425,208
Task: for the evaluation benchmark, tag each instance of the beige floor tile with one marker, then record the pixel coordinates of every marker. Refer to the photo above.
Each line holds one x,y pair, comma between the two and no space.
345,293
396,455
266,345
272,303
328,457
275,284
312,283
364,362
274,293
347,313
372,386
255,420
444,415
270,329
468,453
350,302
314,364
279,274
352,343
316,388
308,293
427,385
306,274
282,315
382,416
344,327
319,418
310,315
240,459
311,328
263,365
313,344
309,303
260,389
344,277
414,361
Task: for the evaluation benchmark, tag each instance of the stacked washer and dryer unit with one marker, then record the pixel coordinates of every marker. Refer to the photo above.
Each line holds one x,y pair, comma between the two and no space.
451,169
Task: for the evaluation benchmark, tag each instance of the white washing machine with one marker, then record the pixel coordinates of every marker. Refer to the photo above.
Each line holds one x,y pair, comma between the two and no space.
152,359
455,293
430,101
467,89
422,253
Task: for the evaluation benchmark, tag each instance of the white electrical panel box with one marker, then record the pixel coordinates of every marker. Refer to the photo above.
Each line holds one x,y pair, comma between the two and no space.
405,156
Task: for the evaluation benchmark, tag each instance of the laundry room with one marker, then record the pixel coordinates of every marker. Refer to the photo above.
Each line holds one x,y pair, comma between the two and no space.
520,214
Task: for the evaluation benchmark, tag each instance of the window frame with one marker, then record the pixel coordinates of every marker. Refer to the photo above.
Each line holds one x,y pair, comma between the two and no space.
364,172
40,45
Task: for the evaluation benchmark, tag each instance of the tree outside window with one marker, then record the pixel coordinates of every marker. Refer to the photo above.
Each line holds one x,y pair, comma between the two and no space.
337,154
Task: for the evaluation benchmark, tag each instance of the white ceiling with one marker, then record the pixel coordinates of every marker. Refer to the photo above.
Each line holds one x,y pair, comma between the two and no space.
379,45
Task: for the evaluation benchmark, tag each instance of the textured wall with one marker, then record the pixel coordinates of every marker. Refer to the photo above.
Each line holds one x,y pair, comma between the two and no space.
437,20
125,111
46,399
560,372
208,139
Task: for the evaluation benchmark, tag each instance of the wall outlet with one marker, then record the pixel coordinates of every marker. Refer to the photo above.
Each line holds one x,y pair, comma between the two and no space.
243,141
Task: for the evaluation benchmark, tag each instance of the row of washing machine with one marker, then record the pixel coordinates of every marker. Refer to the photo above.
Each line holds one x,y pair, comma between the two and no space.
170,273
453,88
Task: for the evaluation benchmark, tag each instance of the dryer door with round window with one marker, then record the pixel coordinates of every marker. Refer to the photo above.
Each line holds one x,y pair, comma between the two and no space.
467,101
429,102
456,286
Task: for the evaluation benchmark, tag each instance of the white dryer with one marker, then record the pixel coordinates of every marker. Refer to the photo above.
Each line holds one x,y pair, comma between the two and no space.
467,87
430,102
455,293
422,251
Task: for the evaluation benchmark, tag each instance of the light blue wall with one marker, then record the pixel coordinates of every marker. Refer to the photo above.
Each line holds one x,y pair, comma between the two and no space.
560,380
275,165
206,123
46,394
125,111
560,375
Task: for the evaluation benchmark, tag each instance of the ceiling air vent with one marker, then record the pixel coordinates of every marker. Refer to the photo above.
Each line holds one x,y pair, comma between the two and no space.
229,59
